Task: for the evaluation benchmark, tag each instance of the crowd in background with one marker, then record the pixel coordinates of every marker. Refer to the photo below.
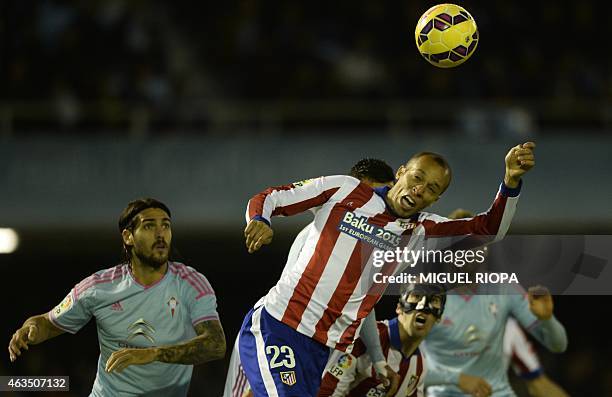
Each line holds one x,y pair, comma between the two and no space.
102,56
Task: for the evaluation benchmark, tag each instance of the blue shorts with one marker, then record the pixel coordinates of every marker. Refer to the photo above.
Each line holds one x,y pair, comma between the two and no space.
278,360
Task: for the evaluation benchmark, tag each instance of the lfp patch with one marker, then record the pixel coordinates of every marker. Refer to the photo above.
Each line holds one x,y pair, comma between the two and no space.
64,306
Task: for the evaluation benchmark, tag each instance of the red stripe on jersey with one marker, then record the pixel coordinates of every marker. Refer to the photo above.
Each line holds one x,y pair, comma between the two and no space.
482,224
311,275
256,203
385,338
349,333
349,280
328,385
302,206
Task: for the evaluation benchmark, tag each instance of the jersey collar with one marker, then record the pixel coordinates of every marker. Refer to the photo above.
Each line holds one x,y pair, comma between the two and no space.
394,334
382,192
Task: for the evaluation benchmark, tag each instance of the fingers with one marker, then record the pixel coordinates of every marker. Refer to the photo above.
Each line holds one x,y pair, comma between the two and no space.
528,145
538,291
16,344
483,389
257,235
118,361
253,232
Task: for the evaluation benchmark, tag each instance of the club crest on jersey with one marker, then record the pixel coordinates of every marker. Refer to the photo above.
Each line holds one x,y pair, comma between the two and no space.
288,378
412,383
173,303
64,306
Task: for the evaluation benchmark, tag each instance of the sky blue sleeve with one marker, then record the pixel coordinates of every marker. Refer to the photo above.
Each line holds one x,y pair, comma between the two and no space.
549,333
202,303
371,339
438,374
73,312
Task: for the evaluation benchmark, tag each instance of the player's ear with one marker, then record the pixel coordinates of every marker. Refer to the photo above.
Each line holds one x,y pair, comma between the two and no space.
127,236
400,171
398,309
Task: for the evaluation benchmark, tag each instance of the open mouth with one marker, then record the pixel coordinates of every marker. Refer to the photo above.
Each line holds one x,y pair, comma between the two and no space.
420,320
408,202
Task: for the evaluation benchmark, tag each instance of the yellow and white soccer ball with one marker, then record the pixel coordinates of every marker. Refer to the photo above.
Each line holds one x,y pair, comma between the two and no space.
446,35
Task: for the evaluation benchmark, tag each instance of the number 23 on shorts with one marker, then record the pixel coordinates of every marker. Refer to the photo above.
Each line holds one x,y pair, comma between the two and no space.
281,356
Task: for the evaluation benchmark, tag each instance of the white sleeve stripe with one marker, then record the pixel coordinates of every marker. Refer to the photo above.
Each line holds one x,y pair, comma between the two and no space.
508,214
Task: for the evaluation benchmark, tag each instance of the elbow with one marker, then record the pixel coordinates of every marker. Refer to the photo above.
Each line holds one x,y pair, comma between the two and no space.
560,347
219,350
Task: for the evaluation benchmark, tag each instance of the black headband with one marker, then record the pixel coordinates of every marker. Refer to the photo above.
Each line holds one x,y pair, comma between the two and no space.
124,223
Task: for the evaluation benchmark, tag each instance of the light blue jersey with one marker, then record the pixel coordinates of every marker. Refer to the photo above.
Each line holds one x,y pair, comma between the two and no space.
129,314
469,339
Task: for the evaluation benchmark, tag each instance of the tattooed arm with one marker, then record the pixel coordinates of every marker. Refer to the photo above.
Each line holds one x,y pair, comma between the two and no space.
209,345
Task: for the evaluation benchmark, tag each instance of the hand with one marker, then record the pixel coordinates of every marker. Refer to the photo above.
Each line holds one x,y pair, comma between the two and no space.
519,160
542,386
389,378
540,302
474,386
257,233
22,338
247,393
123,358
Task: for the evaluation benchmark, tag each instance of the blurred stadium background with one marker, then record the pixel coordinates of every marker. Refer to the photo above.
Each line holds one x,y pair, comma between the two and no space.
204,105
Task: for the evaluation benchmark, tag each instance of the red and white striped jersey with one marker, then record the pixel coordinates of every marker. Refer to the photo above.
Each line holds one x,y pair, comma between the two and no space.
328,289
353,374
520,352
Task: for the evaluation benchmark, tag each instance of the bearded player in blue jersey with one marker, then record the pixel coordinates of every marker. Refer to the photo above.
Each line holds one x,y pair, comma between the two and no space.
155,318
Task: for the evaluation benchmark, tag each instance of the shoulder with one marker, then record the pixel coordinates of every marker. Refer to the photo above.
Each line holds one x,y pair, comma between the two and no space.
193,281
101,279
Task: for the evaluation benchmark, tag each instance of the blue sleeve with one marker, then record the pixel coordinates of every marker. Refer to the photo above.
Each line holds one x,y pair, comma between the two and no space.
73,312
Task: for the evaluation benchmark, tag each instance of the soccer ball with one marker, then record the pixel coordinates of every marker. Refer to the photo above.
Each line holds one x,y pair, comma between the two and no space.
446,35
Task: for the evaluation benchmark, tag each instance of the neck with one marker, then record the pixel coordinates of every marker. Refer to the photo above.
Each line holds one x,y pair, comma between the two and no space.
146,275
409,343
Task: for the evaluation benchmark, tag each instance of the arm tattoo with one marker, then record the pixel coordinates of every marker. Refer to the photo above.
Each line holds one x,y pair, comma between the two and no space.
207,346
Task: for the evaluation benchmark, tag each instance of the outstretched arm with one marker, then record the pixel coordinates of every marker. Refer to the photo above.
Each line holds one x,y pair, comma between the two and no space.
34,330
209,345
495,221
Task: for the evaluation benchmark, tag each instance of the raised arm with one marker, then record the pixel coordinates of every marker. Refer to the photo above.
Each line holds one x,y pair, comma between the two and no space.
496,220
34,330
535,313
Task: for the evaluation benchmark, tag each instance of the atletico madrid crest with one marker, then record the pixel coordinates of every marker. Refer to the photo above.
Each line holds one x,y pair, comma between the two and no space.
288,378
